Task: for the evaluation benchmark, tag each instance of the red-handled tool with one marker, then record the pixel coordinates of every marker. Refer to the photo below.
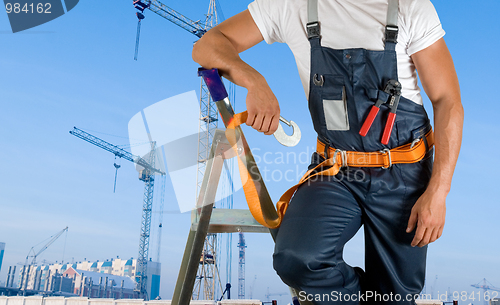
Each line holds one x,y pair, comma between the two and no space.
370,118
393,88
393,105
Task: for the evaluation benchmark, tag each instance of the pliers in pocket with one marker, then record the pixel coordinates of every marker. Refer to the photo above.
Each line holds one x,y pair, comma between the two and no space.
393,89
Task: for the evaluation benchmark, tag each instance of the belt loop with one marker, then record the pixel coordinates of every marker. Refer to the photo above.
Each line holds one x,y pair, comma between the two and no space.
426,144
327,147
387,152
423,138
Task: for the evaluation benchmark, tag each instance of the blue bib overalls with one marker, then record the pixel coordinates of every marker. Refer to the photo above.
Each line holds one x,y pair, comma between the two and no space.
326,213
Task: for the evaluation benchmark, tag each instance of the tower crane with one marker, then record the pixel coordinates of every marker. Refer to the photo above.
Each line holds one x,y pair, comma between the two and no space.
171,15
241,267
485,286
434,286
208,125
268,295
147,176
26,273
252,286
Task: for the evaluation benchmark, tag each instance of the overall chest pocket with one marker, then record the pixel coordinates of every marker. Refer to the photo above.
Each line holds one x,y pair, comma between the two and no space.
334,100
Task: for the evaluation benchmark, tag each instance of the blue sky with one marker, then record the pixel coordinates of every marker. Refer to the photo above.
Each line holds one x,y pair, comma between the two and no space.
78,70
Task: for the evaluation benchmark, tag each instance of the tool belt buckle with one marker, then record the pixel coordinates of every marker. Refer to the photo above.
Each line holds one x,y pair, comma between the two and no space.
387,151
343,158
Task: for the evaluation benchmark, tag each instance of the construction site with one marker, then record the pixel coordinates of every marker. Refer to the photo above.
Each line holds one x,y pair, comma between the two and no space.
139,278
160,215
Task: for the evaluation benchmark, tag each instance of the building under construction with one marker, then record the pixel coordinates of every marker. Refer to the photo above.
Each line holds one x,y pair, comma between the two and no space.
2,249
113,278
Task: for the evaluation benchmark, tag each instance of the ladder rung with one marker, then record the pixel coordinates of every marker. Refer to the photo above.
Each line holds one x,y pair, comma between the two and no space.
231,221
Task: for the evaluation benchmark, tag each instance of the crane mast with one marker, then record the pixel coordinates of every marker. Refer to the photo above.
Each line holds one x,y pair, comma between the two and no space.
142,260
207,270
147,176
241,267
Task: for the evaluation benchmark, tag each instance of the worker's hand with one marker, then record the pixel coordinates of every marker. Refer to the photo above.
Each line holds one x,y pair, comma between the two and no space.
262,107
428,214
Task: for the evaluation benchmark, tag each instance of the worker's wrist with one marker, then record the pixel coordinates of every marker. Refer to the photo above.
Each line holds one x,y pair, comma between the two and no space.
249,77
439,187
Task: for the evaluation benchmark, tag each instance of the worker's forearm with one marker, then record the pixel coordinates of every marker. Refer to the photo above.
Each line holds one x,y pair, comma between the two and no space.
448,123
214,50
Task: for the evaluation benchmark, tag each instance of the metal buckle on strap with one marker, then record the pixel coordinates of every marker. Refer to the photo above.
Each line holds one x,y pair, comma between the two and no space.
343,157
414,142
387,151
313,30
424,138
391,33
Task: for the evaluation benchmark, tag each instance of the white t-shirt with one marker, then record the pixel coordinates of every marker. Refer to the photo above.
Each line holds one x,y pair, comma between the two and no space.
351,24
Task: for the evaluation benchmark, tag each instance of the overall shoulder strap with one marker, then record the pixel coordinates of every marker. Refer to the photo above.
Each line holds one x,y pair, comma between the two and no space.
391,29
313,26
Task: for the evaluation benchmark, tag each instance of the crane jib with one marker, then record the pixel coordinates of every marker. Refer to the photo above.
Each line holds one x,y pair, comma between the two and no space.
117,151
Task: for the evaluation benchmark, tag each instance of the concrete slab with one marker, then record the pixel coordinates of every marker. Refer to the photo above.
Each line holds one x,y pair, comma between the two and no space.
202,302
129,302
158,302
240,302
77,301
101,302
3,300
33,300
16,300
53,301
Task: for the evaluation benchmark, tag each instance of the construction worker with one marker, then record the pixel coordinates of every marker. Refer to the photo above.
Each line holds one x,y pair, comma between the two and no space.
357,61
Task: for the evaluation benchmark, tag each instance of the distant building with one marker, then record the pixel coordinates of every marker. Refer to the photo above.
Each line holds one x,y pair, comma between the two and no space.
2,248
101,285
113,278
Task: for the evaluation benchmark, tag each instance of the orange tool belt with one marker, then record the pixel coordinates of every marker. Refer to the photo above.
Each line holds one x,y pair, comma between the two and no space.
337,159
